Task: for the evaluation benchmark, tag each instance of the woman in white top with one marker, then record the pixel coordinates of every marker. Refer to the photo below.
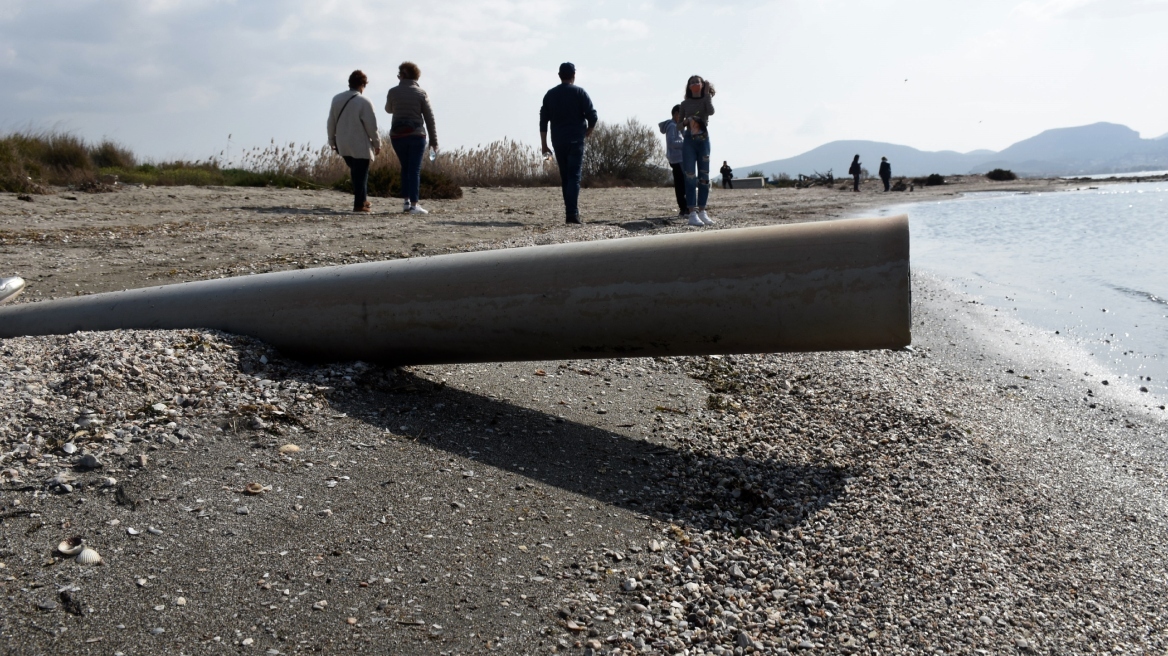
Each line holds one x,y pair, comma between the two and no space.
352,133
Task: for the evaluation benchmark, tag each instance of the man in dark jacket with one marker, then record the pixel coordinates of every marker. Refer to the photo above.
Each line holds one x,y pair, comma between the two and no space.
569,110
854,170
727,175
885,173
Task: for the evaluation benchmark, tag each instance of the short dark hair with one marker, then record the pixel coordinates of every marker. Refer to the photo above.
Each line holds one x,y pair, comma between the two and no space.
676,109
567,71
409,70
357,79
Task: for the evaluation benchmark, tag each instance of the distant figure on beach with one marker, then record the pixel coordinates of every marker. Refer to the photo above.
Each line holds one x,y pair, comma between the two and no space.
696,109
673,141
352,133
854,170
413,122
569,110
885,173
727,175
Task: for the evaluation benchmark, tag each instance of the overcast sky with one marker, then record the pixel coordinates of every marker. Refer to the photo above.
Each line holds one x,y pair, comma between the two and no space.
173,78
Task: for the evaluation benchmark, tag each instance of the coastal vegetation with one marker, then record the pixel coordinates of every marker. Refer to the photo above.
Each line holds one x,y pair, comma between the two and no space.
619,154
1001,175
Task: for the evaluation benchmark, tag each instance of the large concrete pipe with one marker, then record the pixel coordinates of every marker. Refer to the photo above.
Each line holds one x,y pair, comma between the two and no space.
835,285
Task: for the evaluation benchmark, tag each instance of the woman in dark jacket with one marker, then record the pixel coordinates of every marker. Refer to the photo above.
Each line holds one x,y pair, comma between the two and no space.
854,170
413,123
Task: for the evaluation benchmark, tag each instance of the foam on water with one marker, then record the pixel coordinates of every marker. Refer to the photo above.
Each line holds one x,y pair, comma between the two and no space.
1091,264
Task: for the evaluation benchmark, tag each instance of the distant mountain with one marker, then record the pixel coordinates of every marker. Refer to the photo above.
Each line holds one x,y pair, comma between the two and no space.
1096,148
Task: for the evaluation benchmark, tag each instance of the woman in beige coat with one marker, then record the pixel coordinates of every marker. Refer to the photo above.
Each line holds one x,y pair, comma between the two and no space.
352,133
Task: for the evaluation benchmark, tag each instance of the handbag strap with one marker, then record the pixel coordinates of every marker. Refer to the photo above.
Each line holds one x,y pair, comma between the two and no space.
346,105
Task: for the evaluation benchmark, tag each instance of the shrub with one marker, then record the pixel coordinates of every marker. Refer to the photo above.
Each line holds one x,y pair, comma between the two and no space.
932,180
1001,175
756,174
108,155
385,182
628,153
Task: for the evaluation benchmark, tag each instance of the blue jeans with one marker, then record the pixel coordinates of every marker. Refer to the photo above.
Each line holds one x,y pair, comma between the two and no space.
695,151
570,159
359,172
409,152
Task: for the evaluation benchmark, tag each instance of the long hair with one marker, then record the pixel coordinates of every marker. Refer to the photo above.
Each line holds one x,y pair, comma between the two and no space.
707,86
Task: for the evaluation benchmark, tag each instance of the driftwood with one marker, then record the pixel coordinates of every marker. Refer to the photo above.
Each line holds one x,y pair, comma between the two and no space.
816,179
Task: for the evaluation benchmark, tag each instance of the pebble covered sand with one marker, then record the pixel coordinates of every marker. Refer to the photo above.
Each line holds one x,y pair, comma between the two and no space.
963,496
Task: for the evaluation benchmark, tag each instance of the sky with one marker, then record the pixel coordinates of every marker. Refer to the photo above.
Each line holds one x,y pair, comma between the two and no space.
174,78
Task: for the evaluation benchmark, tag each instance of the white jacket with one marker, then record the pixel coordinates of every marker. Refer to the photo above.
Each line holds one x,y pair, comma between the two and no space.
353,132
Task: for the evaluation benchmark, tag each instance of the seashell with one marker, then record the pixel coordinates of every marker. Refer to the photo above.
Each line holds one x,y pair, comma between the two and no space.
72,546
88,557
130,530
253,488
289,449
69,448
109,481
153,531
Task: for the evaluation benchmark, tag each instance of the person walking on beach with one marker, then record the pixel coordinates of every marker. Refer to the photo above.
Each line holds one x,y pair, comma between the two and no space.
352,133
569,110
727,175
854,170
673,140
696,109
886,173
413,122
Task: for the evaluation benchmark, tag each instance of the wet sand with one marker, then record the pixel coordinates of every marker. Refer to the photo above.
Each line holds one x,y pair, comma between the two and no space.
965,495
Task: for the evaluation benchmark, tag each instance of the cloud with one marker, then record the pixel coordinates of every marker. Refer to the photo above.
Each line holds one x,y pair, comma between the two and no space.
1090,9
622,28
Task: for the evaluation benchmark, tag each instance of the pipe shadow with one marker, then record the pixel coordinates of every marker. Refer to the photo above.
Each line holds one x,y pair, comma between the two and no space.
482,224
702,490
314,211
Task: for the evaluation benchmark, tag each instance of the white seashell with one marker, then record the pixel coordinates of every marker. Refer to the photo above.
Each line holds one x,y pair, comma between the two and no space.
72,546
130,530
88,557
69,448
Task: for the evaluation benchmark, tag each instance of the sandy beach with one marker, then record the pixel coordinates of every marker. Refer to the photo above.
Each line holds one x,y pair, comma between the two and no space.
964,496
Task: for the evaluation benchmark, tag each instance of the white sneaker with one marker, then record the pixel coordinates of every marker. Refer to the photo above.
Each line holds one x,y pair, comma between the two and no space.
694,220
406,205
417,209
705,218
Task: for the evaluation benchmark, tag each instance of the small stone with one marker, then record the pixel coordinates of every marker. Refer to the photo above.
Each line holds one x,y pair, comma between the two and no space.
351,621
247,642
745,641
288,449
141,583
326,512
160,408
143,459
243,510
87,462
806,644
157,631
153,531
985,619
640,608
320,605
629,585
655,546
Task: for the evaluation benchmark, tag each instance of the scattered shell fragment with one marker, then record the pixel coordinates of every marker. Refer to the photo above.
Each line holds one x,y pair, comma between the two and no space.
289,449
180,601
320,605
629,585
71,546
130,530
88,557
253,488
69,448
109,481
153,531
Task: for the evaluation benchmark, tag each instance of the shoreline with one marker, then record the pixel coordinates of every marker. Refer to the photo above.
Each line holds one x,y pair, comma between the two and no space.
871,502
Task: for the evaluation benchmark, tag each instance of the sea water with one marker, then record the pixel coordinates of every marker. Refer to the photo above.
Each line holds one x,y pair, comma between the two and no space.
1089,263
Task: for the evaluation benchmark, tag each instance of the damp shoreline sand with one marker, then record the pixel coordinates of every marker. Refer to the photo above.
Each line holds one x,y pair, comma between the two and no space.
961,496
